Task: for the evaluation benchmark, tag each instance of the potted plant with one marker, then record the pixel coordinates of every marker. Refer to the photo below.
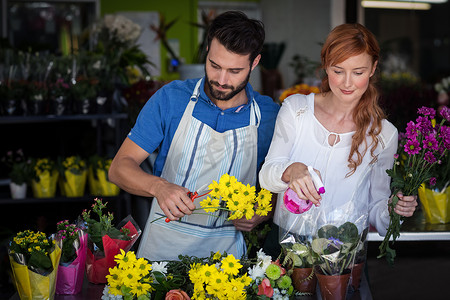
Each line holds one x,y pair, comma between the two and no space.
106,240
83,93
37,93
299,261
73,257
19,173
334,249
99,185
44,178
72,176
34,259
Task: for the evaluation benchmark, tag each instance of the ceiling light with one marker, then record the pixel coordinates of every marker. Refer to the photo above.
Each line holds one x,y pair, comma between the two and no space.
395,5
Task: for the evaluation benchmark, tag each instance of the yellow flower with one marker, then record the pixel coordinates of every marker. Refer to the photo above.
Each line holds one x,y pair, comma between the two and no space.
230,265
143,266
115,289
215,189
215,286
130,276
207,272
217,255
114,277
125,260
138,288
210,205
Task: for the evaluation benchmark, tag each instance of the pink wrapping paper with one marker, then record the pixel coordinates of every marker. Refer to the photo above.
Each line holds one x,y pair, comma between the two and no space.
97,264
70,278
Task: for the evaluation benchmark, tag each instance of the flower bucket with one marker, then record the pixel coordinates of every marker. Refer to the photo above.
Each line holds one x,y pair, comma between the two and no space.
31,285
46,186
304,280
100,186
333,287
70,277
73,185
435,205
18,191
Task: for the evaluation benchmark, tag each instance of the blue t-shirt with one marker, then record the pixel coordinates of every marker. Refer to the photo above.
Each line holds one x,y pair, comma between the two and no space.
159,118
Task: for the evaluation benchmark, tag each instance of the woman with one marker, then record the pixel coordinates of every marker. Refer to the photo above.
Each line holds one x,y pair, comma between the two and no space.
343,135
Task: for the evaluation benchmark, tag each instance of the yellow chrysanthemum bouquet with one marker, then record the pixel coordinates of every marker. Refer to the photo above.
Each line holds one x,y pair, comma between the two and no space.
238,199
72,176
99,185
131,278
34,259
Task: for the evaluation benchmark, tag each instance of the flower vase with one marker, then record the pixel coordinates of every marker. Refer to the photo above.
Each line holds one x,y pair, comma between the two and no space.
18,191
436,206
356,275
333,287
46,186
60,105
84,106
304,280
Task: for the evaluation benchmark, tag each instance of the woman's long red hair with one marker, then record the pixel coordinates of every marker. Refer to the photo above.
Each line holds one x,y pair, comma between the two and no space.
343,42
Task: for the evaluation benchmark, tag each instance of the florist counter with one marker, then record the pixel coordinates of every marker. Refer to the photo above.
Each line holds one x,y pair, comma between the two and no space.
92,291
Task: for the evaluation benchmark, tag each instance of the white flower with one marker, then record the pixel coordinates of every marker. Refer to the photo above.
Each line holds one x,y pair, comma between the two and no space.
256,272
264,260
160,267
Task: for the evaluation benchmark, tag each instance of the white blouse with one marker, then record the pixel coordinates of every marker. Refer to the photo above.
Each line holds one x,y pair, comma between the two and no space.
360,198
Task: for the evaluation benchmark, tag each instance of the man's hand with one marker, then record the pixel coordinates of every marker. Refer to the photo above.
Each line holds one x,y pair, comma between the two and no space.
243,224
173,200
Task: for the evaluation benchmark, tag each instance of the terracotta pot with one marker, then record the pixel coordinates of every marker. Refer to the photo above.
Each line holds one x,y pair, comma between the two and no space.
301,281
356,275
333,287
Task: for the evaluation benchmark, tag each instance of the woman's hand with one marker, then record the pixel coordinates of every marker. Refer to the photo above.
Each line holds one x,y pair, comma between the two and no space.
300,181
406,205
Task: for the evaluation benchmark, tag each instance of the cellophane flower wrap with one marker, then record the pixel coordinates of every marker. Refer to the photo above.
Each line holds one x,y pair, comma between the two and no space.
425,145
45,178
105,240
34,259
72,176
99,185
73,258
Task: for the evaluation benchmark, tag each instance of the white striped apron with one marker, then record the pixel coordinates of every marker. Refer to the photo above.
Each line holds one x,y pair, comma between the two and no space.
198,155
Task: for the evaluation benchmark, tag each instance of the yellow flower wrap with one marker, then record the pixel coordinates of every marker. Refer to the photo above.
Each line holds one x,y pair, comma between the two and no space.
435,205
33,286
74,184
101,186
46,187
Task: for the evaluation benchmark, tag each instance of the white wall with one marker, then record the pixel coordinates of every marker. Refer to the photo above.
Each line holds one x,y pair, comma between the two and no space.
302,25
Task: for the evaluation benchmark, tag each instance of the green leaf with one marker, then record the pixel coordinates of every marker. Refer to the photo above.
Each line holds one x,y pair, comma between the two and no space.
348,233
328,231
40,260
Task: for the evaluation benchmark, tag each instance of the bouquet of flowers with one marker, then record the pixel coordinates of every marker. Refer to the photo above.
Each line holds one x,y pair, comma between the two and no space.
98,177
73,258
45,177
427,143
238,199
270,279
72,176
105,240
34,259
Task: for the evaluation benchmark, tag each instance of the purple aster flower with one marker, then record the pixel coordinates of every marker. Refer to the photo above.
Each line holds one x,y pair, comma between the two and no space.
432,181
445,135
412,147
445,113
401,136
430,142
396,155
429,157
335,241
411,130
427,111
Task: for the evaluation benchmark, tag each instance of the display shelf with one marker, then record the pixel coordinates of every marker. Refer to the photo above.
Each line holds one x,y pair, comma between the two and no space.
416,228
54,118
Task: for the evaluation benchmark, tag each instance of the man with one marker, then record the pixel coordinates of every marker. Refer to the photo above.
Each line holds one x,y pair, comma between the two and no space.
202,129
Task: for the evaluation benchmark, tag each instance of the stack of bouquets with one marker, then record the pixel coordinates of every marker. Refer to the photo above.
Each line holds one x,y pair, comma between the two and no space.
34,259
73,258
72,176
105,240
99,185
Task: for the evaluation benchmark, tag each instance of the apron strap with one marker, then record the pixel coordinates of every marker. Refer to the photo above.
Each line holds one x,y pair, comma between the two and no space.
255,114
196,92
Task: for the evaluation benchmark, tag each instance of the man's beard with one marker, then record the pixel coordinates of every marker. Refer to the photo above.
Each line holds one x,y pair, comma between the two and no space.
225,96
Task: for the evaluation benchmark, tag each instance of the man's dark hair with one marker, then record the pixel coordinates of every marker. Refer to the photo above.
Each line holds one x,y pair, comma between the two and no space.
238,33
